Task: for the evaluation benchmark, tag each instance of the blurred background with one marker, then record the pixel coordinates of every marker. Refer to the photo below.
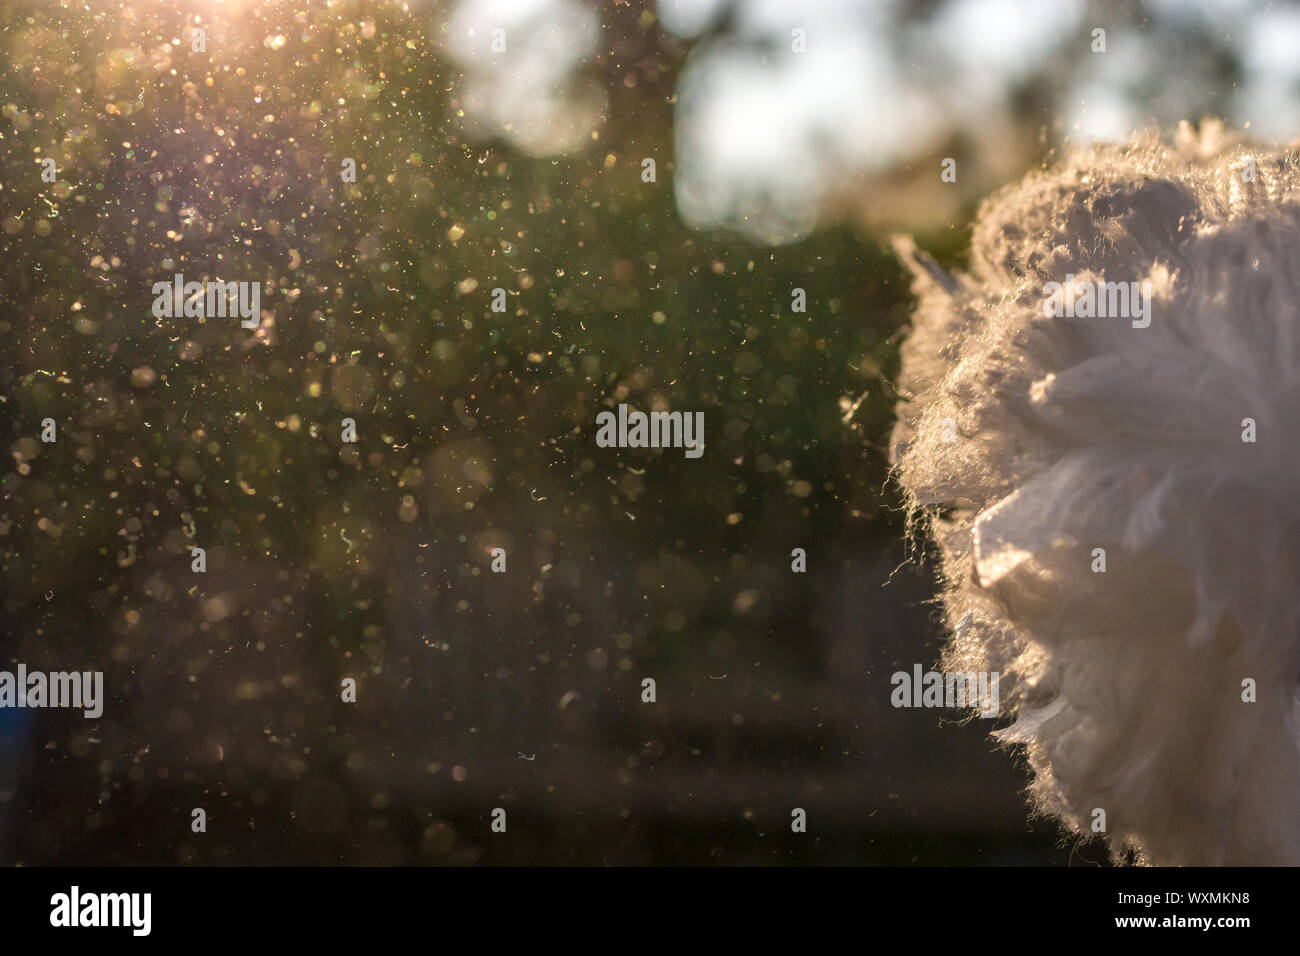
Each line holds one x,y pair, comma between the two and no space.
790,141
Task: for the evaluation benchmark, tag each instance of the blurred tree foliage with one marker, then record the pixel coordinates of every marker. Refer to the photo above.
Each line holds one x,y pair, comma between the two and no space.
370,560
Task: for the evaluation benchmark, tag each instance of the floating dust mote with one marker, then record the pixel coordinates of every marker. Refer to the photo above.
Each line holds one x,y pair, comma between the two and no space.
1117,507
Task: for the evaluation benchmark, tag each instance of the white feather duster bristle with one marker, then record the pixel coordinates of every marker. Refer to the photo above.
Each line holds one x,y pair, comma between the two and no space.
1043,439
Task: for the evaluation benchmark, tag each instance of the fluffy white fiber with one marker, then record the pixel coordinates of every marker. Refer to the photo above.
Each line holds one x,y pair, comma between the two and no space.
1030,441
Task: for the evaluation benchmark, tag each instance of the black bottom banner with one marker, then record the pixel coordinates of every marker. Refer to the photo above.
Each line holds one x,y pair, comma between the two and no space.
337,905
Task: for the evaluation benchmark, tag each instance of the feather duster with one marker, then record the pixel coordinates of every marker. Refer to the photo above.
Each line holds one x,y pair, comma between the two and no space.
1117,506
